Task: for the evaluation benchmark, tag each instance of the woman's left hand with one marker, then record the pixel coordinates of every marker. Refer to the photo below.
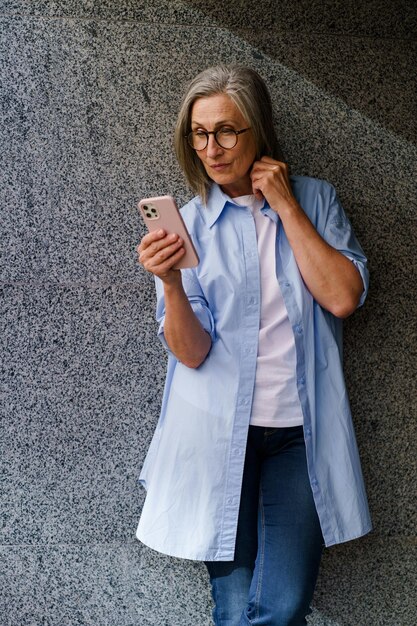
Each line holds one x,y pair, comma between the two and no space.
331,278
270,180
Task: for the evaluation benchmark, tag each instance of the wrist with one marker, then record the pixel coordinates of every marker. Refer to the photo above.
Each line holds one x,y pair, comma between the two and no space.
173,284
289,209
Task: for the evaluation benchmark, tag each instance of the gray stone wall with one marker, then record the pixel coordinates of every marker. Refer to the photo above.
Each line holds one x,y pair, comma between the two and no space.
89,93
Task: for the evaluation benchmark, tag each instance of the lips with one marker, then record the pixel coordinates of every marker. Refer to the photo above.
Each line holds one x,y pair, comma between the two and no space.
219,166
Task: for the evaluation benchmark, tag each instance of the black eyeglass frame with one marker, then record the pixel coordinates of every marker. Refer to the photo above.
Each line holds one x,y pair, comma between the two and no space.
189,135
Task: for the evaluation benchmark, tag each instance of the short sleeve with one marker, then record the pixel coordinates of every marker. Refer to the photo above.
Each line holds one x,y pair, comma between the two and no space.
197,301
338,232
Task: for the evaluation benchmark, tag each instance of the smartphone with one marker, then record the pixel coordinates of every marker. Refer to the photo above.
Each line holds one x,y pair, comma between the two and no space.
162,212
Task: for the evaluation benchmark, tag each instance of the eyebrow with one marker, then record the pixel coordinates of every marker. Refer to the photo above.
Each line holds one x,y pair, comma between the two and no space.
220,123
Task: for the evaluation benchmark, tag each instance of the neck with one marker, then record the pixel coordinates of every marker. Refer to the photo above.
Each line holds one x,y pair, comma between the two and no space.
240,188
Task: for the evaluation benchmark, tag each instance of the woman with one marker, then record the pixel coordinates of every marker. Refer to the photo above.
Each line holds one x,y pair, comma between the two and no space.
253,465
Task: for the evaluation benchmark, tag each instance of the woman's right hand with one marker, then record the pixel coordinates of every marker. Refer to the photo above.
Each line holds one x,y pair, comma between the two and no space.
185,336
158,252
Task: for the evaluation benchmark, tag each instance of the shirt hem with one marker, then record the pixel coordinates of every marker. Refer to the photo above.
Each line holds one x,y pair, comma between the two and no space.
367,529
185,553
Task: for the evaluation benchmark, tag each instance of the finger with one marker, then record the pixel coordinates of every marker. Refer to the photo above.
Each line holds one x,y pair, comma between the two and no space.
156,254
267,162
275,166
261,177
156,243
271,161
256,188
149,238
158,246
257,171
166,266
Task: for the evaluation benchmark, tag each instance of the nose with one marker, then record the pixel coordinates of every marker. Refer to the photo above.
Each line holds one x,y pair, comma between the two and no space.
213,148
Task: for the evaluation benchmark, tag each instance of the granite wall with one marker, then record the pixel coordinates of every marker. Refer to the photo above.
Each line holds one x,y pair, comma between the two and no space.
89,92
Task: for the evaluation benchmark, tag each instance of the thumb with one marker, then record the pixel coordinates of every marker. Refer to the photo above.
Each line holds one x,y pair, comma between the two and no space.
257,192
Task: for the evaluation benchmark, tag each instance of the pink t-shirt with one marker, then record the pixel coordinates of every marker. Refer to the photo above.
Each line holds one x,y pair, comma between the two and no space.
275,401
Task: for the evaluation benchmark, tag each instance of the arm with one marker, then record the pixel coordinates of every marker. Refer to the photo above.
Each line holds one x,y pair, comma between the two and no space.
332,279
184,334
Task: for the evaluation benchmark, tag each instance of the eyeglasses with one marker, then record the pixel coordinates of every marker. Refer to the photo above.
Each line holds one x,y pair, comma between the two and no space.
225,137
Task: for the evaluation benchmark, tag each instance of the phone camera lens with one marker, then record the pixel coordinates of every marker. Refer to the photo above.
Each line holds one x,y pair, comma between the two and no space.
150,211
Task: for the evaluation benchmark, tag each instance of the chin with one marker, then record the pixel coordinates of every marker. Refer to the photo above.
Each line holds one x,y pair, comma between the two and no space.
222,178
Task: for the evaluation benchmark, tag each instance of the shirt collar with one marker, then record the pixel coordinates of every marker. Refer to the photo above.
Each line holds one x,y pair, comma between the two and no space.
217,201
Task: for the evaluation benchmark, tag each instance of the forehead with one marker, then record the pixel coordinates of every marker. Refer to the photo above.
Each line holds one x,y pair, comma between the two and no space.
215,109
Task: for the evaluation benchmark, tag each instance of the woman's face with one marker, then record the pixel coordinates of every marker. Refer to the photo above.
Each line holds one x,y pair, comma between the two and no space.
230,169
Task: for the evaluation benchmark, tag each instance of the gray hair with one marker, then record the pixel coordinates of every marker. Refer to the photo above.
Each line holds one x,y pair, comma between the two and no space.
249,93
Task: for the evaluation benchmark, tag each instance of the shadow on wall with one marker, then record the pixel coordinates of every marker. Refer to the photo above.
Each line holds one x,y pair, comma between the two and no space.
347,48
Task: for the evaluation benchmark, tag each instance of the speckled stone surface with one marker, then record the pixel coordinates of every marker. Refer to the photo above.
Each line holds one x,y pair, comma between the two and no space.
370,582
374,18
111,584
78,408
100,585
89,93
365,72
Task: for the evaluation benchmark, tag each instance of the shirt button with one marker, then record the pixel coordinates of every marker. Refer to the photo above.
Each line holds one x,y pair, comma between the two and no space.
252,301
314,483
307,431
238,452
230,500
302,380
298,329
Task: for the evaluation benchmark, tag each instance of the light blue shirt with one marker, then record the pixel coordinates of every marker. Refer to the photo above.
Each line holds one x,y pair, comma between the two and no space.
194,466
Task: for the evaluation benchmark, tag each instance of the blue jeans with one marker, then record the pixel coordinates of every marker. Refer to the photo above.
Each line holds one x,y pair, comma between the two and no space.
279,542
